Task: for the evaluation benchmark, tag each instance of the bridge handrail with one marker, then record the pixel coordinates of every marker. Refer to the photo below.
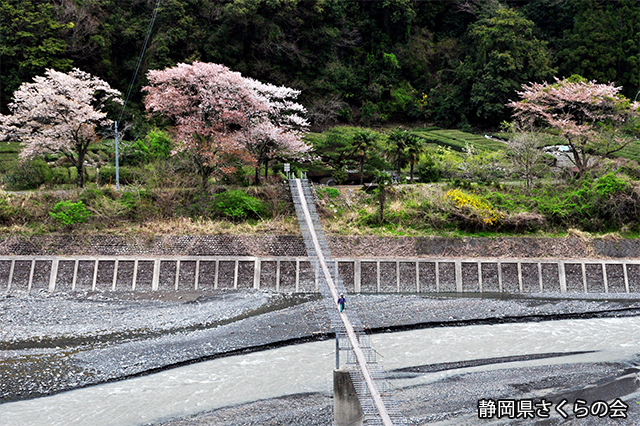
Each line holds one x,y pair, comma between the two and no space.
304,216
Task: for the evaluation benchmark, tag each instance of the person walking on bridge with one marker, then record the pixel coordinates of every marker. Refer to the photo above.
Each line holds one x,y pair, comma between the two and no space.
341,302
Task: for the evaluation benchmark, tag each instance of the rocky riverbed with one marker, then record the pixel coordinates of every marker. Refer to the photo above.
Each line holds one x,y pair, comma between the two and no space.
56,342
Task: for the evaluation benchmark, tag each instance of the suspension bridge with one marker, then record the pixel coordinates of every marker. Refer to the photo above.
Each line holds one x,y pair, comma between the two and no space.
368,378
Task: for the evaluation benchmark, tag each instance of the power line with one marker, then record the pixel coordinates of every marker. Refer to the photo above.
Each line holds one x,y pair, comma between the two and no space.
133,80
142,52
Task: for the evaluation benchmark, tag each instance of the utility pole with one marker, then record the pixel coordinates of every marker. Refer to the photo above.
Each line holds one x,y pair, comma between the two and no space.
117,162
0,82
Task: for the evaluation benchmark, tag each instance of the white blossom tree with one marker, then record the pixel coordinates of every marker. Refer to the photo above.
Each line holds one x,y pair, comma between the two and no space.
276,131
59,113
525,151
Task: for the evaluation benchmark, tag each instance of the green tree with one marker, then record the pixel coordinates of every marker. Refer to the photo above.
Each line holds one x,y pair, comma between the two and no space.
604,45
334,149
31,40
504,54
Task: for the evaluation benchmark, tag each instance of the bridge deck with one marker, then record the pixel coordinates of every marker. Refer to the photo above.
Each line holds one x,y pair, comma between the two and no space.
368,378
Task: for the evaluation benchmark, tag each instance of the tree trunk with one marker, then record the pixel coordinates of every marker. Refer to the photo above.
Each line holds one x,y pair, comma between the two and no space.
206,172
257,175
80,166
266,169
382,195
579,159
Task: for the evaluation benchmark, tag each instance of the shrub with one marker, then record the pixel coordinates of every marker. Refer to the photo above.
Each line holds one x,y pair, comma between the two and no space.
73,174
159,143
29,175
524,222
59,175
330,192
428,170
89,194
474,212
238,177
7,211
108,175
135,154
107,209
236,204
69,213
610,184
595,206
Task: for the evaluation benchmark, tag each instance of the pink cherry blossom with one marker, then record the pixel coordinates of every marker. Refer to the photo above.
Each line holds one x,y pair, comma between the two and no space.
223,119
587,115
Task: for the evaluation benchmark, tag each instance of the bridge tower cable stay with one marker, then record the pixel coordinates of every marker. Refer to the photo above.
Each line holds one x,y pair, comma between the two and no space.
368,378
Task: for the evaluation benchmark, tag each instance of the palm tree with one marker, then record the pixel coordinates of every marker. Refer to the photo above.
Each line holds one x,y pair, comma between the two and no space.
362,141
405,148
384,182
414,146
397,140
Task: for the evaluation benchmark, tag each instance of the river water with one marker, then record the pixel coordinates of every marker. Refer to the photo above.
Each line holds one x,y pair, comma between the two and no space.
307,368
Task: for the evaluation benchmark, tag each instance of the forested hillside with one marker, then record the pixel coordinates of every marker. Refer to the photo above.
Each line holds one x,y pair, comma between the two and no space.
452,62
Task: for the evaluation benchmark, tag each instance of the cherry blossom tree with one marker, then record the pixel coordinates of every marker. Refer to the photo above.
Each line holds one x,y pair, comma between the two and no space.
209,105
59,113
278,132
224,120
587,115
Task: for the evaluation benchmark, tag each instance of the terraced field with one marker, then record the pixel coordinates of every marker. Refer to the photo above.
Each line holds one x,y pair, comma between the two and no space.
457,139
631,151
8,155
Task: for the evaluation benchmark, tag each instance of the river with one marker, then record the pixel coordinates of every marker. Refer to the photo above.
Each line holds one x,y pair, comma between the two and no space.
307,368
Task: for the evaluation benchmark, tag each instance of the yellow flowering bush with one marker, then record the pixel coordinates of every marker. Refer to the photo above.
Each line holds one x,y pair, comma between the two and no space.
423,101
475,207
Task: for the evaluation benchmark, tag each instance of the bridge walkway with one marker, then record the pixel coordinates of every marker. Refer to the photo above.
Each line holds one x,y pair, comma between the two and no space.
369,379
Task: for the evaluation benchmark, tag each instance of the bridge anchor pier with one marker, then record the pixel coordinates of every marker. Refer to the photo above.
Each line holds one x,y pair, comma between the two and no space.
346,405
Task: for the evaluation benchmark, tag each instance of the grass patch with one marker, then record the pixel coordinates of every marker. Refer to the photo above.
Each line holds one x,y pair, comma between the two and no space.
10,148
458,140
631,151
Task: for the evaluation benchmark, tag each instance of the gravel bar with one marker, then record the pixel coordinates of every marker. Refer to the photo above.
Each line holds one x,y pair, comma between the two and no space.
56,342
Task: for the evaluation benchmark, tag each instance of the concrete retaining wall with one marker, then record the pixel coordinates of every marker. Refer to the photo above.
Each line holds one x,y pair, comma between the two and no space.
295,274
341,246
